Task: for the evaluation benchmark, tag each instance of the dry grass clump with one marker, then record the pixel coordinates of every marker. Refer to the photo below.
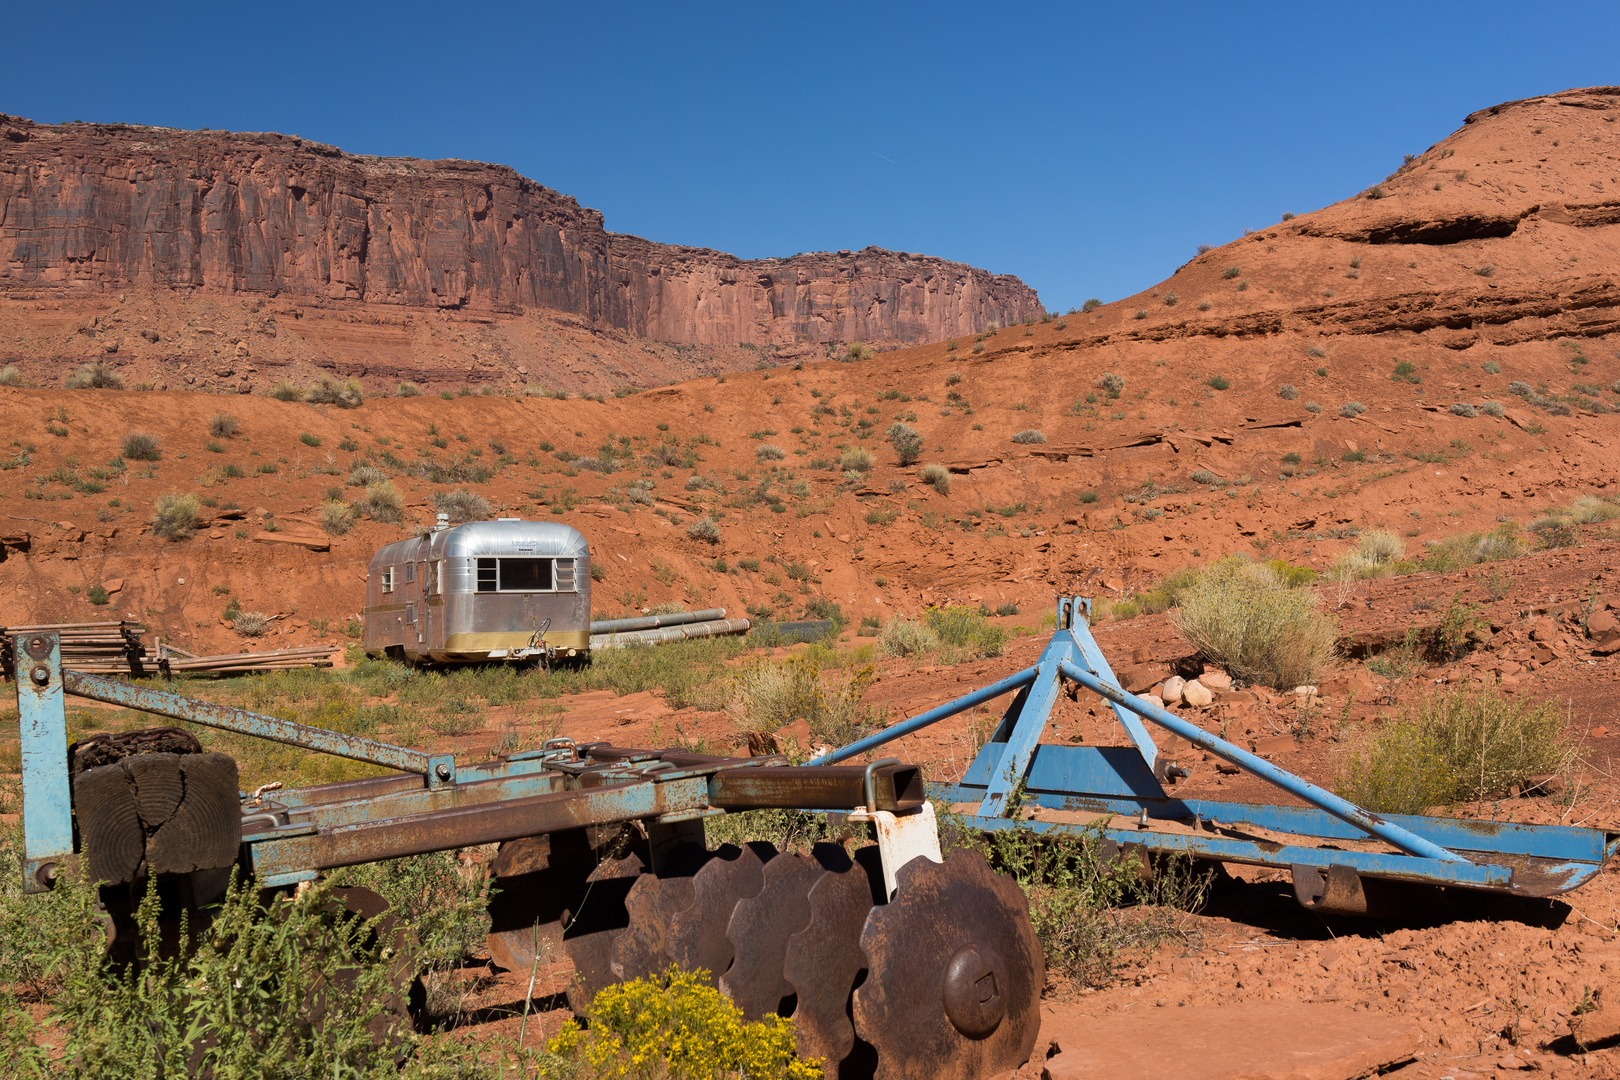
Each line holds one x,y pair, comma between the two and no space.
250,623
937,477
11,376
766,696
1376,554
94,376
408,389
769,452
140,446
1029,435
328,391
337,516
1589,509
174,516
286,391
461,505
383,503
704,529
365,475
1456,747
1244,617
223,425
906,637
856,459
1470,549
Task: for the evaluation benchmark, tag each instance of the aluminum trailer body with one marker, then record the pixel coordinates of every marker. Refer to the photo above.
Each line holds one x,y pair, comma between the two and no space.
488,590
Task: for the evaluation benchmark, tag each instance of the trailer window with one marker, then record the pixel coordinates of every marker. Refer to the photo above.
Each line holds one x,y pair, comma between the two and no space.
515,575
388,579
565,576
525,575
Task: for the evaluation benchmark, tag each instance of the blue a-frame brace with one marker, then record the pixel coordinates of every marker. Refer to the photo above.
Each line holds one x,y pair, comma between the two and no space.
1130,781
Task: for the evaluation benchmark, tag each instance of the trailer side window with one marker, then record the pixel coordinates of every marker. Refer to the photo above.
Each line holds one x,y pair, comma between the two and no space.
410,573
525,575
565,575
486,575
388,579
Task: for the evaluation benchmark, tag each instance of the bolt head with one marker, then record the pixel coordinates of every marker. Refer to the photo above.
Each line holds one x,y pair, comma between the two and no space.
443,772
41,676
975,990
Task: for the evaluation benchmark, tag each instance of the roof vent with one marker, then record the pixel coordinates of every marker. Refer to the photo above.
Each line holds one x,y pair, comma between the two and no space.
441,522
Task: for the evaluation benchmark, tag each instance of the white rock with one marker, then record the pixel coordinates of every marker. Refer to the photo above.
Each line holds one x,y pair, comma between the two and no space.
1216,680
1152,699
1305,691
1172,689
1196,694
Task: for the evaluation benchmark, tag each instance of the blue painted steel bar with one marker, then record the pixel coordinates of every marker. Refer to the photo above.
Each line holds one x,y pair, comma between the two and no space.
47,796
1027,729
932,716
435,768
1319,797
1374,864
1092,658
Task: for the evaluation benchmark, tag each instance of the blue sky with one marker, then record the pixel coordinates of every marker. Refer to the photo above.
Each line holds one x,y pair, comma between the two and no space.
1086,148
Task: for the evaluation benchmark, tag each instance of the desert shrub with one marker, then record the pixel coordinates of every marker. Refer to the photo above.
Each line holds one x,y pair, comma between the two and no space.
855,352
94,376
286,391
174,516
223,425
1110,384
1459,746
769,452
1554,532
1091,305
11,376
382,502
1352,408
907,442
98,595
408,389
1492,408
1380,546
337,516
1462,408
328,391
704,529
674,1025
1312,407
1203,476
250,623
363,475
1287,392
967,629
140,446
461,505
1588,510
906,637
767,695
1218,382
1244,617
1029,435
1469,549
937,477
309,440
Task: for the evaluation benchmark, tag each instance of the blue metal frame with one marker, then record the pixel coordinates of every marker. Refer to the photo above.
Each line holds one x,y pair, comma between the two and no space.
1129,782
42,722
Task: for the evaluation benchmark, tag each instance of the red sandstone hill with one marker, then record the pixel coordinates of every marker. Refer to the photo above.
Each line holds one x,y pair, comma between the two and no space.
1334,304
405,267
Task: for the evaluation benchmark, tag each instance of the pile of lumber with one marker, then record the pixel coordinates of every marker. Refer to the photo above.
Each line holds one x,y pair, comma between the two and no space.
104,648
173,661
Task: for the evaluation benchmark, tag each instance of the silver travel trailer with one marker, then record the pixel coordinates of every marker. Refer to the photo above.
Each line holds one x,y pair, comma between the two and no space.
488,590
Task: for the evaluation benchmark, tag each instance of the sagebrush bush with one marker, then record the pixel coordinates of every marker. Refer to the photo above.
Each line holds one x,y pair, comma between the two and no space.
1287,392
856,459
408,389
1462,408
141,446
1242,616
286,391
967,629
364,475
766,695
1028,436
907,442
1588,510
328,391
94,376
223,425
704,528
937,477
1110,384
11,376
906,637
250,623
1459,746
769,452
174,516
1352,408
461,505
1492,408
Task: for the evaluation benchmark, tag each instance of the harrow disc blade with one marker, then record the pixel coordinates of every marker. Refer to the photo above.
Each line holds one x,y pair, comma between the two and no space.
538,881
696,938
599,921
760,928
954,973
652,902
824,959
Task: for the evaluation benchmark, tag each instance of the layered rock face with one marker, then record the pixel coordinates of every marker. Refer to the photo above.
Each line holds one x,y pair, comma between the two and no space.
87,208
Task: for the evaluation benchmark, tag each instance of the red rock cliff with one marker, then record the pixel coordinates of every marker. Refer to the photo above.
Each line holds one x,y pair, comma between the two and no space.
93,207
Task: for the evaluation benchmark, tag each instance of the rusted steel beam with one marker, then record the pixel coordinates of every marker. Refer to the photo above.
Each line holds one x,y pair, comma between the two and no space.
817,787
